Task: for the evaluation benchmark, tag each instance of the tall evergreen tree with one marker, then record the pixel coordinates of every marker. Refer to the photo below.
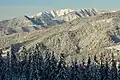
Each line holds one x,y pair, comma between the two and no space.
75,73
62,74
102,74
114,68
88,69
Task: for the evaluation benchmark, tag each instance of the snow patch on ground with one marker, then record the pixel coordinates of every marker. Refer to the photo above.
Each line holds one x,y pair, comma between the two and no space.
105,20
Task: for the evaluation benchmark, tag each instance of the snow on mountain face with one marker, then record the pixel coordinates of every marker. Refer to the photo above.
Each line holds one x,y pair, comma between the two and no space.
49,17
63,15
54,13
46,18
77,14
87,12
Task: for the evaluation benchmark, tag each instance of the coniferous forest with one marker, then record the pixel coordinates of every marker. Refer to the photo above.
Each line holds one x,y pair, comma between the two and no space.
36,66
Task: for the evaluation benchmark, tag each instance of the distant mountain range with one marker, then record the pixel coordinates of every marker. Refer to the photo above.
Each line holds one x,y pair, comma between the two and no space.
43,20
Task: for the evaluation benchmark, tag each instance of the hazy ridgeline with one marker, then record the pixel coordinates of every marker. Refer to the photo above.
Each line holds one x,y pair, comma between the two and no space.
35,65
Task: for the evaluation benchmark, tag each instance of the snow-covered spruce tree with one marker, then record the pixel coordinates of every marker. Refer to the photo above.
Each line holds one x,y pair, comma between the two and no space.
114,68
53,66
2,66
40,66
14,63
39,62
83,70
75,73
23,62
62,73
119,71
95,68
46,66
1,52
27,68
106,70
88,69
33,67
8,69
102,67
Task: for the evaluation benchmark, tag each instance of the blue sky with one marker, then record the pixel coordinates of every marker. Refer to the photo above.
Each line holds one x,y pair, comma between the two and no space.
13,8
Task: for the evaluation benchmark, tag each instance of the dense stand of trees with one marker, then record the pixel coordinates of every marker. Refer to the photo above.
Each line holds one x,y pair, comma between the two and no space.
36,66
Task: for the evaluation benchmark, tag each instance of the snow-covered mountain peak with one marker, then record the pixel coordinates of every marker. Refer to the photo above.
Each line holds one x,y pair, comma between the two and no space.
54,13
61,12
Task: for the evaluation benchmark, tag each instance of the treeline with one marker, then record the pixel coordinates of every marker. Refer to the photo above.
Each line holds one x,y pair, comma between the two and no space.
35,65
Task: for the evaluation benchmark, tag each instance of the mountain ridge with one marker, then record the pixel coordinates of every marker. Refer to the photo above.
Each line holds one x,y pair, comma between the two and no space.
43,19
